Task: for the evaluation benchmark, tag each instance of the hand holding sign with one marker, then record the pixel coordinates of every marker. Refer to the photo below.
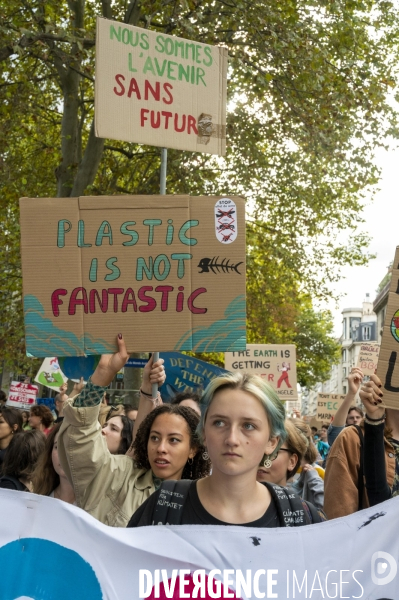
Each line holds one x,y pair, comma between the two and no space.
371,396
355,379
110,364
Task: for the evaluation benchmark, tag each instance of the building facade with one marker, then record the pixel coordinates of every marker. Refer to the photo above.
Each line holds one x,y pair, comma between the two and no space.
359,325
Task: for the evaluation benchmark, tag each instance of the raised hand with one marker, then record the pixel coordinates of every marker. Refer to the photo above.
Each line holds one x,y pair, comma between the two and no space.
371,396
110,364
153,373
355,379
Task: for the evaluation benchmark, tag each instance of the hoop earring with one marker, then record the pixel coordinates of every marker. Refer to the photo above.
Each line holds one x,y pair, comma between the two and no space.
267,463
205,455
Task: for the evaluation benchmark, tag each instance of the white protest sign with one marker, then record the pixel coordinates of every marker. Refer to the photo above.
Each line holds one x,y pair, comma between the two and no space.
275,362
50,374
38,532
158,89
368,358
22,395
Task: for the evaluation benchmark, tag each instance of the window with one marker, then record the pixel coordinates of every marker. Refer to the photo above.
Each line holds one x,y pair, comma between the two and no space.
344,328
344,388
344,371
366,333
343,355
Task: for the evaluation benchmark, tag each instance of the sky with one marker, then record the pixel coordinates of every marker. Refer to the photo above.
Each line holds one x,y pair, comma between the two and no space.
382,224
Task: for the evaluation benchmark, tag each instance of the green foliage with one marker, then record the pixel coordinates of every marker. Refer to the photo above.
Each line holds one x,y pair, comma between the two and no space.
308,104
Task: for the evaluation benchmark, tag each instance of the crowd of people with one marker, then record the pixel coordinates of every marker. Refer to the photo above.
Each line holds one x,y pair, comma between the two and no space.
229,456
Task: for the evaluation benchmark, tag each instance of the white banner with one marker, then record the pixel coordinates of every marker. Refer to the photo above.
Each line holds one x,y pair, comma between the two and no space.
51,550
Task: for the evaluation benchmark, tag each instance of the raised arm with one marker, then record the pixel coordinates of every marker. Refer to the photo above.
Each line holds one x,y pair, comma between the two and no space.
378,489
355,379
82,449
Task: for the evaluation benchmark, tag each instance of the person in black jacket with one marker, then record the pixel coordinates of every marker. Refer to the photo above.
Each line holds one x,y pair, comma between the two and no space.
381,435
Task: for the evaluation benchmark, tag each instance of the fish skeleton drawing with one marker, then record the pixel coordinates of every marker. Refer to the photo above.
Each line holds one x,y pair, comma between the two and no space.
212,264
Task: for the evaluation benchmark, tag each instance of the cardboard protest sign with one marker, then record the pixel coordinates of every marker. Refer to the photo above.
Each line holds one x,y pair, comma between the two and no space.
327,406
158,89
186,374
150,267
388,363
22,395
50,374
275,362
368,358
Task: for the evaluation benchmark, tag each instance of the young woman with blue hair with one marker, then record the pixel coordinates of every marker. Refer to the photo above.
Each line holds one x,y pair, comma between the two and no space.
242,423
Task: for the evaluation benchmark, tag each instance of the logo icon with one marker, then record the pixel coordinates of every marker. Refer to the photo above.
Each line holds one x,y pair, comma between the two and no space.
383,568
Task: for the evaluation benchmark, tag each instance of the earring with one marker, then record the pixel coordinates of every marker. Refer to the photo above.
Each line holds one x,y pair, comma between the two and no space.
205,455
191,465
267,463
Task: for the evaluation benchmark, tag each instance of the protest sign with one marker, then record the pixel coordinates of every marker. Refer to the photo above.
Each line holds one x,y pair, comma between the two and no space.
368,358
388,363
50,374
186,374
327,406
150,267
158,89
224,562
22,395
275,362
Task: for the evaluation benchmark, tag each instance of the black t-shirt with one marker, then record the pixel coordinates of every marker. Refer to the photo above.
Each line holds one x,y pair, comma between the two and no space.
195,514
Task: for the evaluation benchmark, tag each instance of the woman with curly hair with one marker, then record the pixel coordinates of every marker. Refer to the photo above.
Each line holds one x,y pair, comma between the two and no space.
167,443
40,418
111,487
49,478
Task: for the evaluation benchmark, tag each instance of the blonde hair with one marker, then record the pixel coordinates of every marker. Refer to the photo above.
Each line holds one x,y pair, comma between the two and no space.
311,453
257,387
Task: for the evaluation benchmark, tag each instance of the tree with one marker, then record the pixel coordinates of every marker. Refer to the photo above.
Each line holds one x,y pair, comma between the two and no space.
308,87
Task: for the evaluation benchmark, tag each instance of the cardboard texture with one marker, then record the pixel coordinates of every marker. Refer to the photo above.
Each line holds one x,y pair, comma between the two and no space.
388,362
327,406
22,395
275,362
367,360
150,267
50,374
158,89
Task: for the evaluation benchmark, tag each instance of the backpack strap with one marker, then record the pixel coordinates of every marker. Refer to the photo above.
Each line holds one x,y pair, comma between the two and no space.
360,475
17,484
292,510
171,499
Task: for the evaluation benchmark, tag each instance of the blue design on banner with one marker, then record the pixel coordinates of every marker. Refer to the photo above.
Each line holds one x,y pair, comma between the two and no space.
186,373
44,570
43,338
228,334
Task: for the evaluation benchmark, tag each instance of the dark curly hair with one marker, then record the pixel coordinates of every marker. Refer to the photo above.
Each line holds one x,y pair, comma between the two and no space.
42,411
199,468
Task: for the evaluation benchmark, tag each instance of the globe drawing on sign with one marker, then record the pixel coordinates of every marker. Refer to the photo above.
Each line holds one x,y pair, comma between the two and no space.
75,367
395,326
